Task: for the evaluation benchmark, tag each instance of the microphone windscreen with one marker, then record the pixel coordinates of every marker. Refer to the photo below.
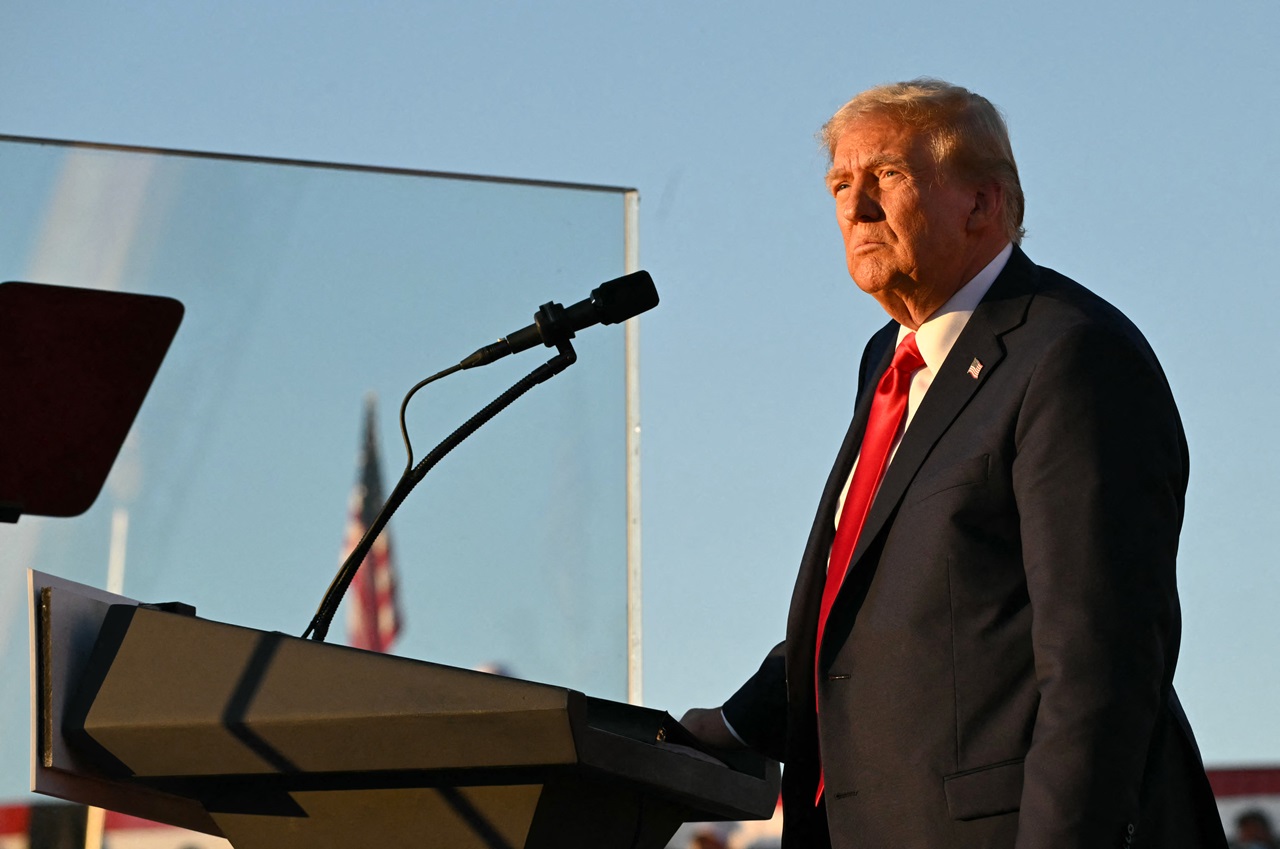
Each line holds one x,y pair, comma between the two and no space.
624,297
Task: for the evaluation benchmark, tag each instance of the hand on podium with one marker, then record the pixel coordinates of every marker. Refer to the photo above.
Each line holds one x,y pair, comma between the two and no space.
708,725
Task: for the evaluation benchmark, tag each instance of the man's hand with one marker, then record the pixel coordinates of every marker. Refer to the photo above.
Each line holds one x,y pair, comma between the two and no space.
707,724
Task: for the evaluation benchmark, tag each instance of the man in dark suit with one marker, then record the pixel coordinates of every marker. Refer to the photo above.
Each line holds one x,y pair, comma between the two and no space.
992,663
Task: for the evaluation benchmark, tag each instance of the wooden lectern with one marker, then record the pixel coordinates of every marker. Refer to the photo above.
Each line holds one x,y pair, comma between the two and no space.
277,742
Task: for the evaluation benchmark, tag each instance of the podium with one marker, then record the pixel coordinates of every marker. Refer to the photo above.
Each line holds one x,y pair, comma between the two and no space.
276,742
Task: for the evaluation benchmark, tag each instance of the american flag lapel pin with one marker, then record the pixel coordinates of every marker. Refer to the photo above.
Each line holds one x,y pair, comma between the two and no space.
975,368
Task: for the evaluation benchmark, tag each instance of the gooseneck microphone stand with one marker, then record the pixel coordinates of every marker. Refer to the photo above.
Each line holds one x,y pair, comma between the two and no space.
555,331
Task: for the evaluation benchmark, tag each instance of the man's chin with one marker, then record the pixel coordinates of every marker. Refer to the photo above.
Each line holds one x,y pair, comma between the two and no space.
871,282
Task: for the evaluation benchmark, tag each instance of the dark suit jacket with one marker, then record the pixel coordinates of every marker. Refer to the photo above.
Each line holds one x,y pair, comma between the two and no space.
996,670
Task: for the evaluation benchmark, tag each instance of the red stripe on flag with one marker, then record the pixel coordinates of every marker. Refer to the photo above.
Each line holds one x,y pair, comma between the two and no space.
373,610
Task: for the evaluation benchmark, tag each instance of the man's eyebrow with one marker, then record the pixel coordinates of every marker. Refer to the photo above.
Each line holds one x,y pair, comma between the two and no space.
880,160
873,163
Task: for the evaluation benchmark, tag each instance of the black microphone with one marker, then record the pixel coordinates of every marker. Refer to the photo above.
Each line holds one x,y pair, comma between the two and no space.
611,302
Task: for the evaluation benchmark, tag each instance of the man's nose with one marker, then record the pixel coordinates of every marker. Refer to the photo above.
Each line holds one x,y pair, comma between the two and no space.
859,205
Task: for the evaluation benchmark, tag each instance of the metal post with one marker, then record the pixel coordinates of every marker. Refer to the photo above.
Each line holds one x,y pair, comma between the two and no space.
631,249
95,817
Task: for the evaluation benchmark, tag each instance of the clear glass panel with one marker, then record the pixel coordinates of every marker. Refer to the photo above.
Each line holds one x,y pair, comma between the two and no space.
307,287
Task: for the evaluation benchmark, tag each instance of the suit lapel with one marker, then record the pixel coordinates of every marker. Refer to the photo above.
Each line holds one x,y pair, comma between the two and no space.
807,595
879,355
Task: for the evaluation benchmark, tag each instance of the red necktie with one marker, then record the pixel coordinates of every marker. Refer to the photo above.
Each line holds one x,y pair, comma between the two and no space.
888,409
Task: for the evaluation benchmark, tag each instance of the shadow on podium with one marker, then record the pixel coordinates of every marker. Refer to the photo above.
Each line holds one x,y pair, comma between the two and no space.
277,742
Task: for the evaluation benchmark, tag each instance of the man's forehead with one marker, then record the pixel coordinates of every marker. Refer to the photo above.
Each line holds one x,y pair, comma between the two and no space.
868,143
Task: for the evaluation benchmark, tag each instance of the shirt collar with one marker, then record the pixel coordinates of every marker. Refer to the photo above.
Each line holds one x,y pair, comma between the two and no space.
941,330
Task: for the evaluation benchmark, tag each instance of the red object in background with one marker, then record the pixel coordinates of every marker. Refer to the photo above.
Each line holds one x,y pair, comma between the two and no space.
1245,781
373,612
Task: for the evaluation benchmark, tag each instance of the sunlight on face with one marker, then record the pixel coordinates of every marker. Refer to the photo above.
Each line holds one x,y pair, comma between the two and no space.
903,219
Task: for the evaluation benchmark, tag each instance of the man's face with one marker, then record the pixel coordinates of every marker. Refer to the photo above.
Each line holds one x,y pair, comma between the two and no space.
904,223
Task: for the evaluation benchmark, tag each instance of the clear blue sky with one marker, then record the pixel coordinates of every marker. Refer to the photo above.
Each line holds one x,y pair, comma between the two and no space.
1145,133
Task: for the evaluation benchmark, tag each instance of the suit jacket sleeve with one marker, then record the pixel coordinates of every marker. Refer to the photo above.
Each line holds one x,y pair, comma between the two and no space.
1099,474
758,710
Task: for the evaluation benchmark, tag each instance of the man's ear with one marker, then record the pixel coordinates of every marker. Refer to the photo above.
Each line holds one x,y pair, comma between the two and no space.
988,206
